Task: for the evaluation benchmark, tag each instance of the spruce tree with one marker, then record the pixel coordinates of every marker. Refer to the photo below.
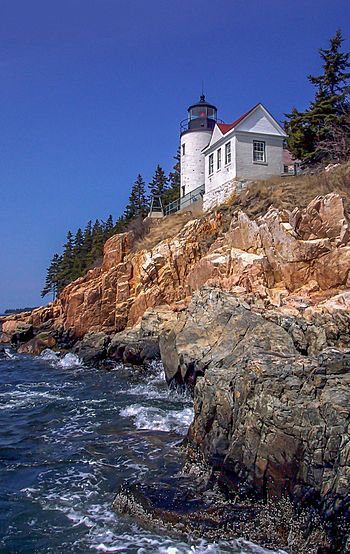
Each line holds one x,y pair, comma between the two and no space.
52,281
97,244
173,192
78,265
87,244
138,203
159,184
322,132
120,225
66,265
108,227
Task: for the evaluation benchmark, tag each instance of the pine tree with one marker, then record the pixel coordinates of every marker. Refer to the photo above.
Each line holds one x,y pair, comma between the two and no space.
173,192
97,244
159,184
78,265
333,82
321,133
138,203
52,282
87,244
66,265
108,227
120,225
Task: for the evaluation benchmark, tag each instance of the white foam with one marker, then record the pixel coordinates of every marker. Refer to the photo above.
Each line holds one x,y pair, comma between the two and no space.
10,355
68,361
158,419
21,398
164,545
49,355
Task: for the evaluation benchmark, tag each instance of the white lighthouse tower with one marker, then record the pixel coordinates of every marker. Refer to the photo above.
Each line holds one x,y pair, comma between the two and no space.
195,131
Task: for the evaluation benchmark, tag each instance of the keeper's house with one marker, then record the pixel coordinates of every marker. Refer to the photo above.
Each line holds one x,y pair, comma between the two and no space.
217,158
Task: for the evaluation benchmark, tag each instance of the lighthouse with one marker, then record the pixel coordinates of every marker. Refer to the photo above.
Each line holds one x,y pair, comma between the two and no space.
195,133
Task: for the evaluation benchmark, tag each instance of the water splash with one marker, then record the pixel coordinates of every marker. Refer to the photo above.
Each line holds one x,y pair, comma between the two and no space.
158,419
67,361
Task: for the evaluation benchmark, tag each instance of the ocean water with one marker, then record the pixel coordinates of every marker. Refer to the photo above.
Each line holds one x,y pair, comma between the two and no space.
69,437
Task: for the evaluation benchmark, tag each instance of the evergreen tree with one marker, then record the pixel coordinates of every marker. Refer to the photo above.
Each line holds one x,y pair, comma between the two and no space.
52,282
159,184
66,265
78,265
332,83
87,243
108,228
96,245
120,225
138,203
321,133
173,192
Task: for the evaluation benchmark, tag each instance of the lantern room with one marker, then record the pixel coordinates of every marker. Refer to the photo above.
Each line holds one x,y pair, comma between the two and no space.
201,116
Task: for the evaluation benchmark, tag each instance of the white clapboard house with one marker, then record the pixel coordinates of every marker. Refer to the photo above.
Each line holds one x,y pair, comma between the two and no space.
217,158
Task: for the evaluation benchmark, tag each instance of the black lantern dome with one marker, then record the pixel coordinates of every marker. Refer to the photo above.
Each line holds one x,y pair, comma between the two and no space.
201,115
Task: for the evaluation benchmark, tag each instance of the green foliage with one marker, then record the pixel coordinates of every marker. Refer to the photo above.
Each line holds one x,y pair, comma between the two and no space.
80,253
52,283
84,250
322,132
159,184
138,203
173,191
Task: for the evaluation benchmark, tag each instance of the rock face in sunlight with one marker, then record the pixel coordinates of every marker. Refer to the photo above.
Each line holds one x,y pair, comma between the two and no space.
281,258
252,315
269,421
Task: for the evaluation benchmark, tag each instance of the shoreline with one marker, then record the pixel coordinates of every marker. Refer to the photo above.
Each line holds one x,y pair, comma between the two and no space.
253,316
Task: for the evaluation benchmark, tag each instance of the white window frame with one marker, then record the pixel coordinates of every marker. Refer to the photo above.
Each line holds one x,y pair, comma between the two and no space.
218,159
228,153
211,164
259,152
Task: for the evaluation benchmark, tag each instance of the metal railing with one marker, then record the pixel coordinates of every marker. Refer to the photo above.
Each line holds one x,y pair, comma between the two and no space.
173,207
185,201
185,124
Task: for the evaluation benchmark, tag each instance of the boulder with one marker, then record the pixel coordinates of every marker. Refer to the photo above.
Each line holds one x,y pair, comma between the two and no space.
22,333
37,344
216,327
140,344
92,349
324,217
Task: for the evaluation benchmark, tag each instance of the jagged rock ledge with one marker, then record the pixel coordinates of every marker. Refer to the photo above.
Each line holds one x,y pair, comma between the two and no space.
255,316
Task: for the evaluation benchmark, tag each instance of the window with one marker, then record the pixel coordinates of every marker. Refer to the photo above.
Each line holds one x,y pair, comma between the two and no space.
227,153
259,154
211,164
183,149
183,190
218,159
285,169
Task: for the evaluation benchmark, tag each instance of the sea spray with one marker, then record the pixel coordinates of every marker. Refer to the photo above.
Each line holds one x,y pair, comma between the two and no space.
66,449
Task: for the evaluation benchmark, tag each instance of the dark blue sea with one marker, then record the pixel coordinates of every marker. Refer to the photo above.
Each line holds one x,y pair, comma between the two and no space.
69,437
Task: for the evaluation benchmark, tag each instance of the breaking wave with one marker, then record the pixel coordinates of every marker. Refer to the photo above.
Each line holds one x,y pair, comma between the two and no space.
69,437
66,361
159,419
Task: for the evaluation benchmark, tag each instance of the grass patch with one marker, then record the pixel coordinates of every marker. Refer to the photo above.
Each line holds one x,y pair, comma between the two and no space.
164,228
289,192
279,192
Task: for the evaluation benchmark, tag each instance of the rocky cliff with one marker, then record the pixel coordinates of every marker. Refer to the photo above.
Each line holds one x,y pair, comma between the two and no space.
295,261
253,314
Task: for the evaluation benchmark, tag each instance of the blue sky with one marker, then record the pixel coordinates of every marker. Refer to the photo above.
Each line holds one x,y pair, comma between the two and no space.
92,93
